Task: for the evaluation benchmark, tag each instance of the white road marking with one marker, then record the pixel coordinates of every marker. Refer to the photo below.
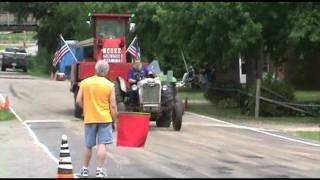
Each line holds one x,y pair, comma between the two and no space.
32,133
222,125
256,130
44,121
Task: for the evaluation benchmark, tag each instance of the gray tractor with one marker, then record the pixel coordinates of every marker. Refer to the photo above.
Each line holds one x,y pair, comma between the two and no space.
157,96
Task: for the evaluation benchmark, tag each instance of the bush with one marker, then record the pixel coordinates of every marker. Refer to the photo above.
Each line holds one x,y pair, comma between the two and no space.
274,89
223,94
282,88
41,63
228,103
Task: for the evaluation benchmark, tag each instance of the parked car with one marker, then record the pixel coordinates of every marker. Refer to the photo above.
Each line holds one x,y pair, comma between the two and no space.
14,57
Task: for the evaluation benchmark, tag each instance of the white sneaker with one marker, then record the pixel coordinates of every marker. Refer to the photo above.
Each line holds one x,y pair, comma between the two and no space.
100,173
84,172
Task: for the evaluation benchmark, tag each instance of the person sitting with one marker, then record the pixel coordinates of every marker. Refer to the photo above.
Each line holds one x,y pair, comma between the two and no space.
135,74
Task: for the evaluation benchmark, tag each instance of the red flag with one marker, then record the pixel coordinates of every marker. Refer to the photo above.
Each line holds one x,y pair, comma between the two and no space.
133,129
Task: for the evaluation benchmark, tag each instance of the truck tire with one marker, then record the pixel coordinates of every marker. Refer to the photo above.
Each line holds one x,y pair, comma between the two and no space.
3,68
25,69
77,110
177,116
164,120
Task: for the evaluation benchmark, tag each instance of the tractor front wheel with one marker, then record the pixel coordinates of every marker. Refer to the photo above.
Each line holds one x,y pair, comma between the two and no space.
177,116
164,120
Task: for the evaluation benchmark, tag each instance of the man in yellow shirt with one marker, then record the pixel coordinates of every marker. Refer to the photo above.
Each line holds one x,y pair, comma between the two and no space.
97,98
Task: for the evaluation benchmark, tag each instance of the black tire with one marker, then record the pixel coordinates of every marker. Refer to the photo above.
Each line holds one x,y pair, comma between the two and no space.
3,68
119,93
177,100
121,107
164,120
77,109
177,116
25,69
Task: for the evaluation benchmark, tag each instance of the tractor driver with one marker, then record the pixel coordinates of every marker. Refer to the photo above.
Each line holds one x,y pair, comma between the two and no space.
137,73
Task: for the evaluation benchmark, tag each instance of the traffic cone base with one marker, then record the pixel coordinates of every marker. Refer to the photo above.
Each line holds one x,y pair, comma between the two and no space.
62,176
65,163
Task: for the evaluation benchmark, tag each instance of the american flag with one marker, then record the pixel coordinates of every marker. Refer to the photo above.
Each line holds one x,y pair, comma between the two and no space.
134,48
60,53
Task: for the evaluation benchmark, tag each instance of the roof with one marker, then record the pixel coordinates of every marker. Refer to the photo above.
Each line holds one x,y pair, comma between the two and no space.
107,15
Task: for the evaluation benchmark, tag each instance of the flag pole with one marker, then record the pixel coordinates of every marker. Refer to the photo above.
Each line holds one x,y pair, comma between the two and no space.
184,60
68,47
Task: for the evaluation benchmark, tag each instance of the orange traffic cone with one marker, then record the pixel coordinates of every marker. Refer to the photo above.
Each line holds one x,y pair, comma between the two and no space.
7,104
51,76
65,164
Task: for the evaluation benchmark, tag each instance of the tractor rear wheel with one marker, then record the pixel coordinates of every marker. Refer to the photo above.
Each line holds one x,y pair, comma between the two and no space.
177,115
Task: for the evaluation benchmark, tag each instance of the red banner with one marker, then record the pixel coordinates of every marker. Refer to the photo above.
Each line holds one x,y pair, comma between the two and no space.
133,129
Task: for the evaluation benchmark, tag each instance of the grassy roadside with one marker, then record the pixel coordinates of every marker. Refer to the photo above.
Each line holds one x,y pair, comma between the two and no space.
192,94
6,115
307,95
39,73
235,115
2,47
301,95
17,37
312,135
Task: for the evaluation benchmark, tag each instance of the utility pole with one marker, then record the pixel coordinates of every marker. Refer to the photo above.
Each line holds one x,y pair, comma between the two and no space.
256,114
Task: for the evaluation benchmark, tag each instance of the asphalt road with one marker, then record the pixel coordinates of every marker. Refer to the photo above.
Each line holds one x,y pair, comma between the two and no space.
204,147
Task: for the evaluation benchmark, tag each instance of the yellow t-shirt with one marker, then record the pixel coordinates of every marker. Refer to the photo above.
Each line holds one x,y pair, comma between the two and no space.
96,96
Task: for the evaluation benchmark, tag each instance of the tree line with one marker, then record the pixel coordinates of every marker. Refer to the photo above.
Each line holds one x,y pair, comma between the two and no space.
206,32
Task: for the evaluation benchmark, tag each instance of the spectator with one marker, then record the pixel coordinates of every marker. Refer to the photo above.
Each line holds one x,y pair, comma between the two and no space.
135,74
97,97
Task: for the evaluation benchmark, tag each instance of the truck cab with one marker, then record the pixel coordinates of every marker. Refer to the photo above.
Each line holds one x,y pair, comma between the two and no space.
108,43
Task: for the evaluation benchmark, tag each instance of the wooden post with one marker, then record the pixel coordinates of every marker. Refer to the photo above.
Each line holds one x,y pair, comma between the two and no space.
257,98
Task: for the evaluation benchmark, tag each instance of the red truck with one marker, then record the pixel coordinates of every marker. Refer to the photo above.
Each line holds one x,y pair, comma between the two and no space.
157,97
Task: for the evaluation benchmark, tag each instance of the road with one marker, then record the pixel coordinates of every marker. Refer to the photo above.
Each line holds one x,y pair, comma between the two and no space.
205,147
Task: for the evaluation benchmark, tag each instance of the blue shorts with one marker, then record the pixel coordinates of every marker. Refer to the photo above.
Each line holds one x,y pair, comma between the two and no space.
98,133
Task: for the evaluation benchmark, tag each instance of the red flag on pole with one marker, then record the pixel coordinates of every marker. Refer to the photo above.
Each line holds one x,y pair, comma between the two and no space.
133,129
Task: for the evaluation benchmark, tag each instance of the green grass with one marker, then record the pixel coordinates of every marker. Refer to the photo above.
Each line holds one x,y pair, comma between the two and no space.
2,47
6,115
192,94
313,135
235,115
307,95
39,73
17,37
